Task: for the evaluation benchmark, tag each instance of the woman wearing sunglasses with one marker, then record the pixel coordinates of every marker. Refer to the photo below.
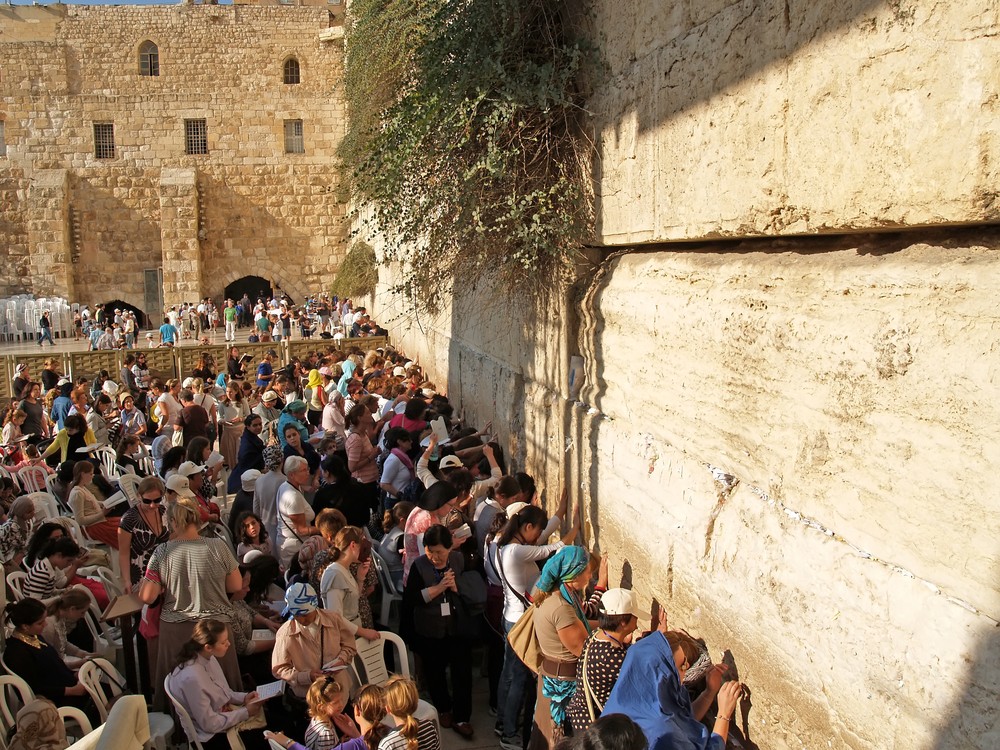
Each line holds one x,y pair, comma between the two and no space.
141,529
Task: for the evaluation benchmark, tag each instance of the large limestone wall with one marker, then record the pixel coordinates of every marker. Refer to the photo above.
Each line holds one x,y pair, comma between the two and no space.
849,389
848,386
722,118
262,211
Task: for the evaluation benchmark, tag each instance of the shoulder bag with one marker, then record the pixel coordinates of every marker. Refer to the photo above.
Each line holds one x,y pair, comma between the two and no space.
524,642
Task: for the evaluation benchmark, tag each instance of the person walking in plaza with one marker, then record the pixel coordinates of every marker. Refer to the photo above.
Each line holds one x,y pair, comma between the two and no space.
45,328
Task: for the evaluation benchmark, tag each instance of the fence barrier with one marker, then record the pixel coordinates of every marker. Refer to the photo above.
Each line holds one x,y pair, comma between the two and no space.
179,362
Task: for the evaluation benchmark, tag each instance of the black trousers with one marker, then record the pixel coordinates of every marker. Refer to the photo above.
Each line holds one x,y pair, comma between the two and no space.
437,655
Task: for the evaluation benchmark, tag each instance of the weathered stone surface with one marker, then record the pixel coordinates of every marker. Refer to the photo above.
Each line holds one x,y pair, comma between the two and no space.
774,117
850,389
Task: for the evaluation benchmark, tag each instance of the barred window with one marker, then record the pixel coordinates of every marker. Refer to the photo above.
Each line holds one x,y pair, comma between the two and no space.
291,71
195,137
104,140
294,143
149,59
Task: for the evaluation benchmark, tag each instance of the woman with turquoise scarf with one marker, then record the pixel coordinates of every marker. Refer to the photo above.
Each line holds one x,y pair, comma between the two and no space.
562,629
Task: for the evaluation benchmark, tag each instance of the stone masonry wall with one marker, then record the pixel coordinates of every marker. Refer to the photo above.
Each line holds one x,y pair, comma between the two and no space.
263,211
789,442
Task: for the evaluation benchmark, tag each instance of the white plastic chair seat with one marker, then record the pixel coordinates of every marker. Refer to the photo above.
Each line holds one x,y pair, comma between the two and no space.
129,485
10,704
45,505
16,579
392,599
33,479
75,715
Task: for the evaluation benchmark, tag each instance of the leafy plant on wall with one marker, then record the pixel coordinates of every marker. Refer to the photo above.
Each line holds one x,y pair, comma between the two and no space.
358,273
465,139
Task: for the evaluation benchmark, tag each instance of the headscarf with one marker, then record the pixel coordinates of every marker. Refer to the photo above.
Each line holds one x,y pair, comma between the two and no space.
563,566
20,506
315,381
292,407
649,692
39,727
274,457
347,367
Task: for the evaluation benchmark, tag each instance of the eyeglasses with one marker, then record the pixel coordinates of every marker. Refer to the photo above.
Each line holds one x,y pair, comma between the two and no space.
152,500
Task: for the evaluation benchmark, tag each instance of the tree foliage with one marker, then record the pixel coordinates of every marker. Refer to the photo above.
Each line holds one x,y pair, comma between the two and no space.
465,137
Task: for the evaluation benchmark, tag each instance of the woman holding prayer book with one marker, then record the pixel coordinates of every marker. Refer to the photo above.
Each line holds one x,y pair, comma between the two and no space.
199,685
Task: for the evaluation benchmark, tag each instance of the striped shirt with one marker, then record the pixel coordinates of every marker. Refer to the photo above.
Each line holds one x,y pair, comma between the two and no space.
427,738
44,580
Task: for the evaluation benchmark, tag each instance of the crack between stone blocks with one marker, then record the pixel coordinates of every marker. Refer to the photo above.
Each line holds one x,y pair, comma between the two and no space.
898,569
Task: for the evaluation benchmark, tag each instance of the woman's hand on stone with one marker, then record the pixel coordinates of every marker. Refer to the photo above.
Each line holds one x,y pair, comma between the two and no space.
729,696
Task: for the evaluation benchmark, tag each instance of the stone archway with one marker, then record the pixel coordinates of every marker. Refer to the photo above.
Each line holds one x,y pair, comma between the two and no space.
252,286
116,304
277,277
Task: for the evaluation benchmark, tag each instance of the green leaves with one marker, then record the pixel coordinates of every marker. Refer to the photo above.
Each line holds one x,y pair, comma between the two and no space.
358,273
465,138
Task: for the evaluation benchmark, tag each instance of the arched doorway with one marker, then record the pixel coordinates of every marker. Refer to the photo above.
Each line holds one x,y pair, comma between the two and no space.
117,304
253,287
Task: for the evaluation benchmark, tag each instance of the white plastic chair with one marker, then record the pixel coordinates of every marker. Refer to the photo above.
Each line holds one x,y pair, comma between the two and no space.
77,532
392,598
103,693
111,583
371,658
14,694
45,505
129,485
187,723
107,457
107,641
78,717
33,479
16,579
50,488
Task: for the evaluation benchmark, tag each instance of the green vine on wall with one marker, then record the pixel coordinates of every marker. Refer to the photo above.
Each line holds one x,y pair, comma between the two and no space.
358,273
466,140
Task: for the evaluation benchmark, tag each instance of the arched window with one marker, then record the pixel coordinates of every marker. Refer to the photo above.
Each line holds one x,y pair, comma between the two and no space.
149,59
291,71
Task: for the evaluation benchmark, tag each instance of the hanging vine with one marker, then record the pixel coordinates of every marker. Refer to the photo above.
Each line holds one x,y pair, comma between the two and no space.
466,140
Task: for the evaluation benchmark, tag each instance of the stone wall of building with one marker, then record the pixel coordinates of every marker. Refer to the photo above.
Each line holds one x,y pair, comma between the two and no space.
790,442
261,211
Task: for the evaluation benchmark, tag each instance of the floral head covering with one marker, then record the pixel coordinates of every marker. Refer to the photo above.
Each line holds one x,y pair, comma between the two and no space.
39,727
273,458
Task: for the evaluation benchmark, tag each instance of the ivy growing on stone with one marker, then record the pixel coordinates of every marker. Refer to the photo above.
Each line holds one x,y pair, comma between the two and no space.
466,138
358,273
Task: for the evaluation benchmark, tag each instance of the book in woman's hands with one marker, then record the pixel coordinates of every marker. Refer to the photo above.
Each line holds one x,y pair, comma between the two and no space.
333,666
270,690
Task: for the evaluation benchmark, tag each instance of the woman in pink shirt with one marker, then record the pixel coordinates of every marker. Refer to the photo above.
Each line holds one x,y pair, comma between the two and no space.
361,454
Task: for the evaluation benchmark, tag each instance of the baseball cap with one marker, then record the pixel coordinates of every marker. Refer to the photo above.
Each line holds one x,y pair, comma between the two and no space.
300,599
64,381
189,468
248,479
451,462
398,372
188,382
620,602
180,485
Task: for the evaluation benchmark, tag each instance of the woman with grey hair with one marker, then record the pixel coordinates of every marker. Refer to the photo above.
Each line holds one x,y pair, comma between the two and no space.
295,515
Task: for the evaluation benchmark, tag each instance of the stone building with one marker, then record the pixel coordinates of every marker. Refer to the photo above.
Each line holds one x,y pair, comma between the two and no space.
169,151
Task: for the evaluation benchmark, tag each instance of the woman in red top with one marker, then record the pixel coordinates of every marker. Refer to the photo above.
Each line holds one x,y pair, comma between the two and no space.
412,419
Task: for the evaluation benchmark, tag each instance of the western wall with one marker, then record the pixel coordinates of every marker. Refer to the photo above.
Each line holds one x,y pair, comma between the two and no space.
91,227
787,429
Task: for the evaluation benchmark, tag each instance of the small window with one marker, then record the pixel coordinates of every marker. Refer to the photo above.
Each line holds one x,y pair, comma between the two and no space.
195,137
3,140
291,71
294,143
104,140
149,59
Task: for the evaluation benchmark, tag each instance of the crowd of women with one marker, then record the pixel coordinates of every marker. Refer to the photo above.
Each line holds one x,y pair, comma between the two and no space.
342,463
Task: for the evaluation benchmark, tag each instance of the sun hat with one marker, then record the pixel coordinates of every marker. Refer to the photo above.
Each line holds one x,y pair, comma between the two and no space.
269,396
180,485
620,602
300,599
189,469
248,479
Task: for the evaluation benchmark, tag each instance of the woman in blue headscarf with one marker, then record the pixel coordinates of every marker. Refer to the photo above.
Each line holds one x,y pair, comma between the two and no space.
347,367
562,630
650,691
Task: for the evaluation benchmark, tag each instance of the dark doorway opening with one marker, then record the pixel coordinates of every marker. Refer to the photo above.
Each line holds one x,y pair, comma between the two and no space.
116,304
253,286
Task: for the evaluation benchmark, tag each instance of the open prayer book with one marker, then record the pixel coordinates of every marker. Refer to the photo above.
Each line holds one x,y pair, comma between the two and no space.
270,690
118,497
333,666
439,429
262,634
